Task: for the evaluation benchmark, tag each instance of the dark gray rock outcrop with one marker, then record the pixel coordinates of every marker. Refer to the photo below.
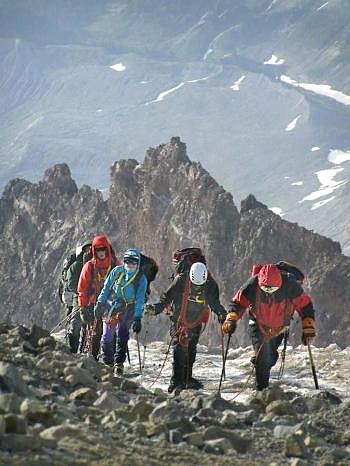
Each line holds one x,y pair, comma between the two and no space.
163,204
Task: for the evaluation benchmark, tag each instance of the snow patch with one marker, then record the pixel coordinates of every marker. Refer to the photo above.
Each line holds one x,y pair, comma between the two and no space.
273,60
321,89
165,93
144,82
271,4
236,84
297,183
287,177
173,89
277,211
322,6
315,148
292,124
197,80
118,67
212,43
318,204
99,110
207,53
328,184
338,156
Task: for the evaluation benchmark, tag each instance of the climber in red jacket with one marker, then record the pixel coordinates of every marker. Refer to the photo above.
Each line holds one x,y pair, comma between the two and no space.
272,297
91,281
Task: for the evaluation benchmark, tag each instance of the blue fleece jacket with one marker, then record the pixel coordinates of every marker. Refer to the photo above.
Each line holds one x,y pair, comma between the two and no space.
125,290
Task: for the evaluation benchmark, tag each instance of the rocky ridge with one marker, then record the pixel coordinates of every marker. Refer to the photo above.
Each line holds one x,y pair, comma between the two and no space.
165,203
58,408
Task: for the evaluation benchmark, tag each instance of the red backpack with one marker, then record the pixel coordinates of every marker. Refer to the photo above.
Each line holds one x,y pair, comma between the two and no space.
184,258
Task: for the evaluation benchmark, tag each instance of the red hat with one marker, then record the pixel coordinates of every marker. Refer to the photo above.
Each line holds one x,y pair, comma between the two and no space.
270,275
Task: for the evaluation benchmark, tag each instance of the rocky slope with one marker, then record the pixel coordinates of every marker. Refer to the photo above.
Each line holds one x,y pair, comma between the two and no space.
164,203
57,408
80,83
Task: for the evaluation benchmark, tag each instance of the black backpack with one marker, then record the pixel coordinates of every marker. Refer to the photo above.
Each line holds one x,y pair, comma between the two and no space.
68,261
184,258
148,267
292,270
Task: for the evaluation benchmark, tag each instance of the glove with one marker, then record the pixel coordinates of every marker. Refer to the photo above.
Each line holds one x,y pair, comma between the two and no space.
136,326
230,324
150,310
87,314
309,332
98,310
222,317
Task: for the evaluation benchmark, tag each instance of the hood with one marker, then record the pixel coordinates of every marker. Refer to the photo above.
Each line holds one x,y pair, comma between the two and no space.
132,252
81,246
101,242
269,275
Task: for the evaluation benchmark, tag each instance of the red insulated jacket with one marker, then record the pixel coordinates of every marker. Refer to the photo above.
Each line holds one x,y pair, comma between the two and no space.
94,272
273,311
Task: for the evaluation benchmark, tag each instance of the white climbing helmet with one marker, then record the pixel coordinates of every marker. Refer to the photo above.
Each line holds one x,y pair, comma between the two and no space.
198,273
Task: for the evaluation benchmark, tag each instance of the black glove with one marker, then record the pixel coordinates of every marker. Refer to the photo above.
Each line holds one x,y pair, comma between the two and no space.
136,326
222,317
87,314
98,310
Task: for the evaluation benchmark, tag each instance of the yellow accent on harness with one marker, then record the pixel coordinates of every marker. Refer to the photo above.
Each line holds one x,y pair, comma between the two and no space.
100,278
197,300
118,282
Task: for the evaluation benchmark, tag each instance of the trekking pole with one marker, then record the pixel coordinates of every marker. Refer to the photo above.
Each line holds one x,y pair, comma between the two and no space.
223,351
66,319
138,351
144,351
224,362
128,354
283,353
312,366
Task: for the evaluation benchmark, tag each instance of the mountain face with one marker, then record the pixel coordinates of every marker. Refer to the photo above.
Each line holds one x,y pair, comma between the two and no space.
259,89
165,203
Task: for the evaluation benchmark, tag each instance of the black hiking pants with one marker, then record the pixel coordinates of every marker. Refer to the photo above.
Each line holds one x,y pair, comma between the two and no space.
266,355
184,354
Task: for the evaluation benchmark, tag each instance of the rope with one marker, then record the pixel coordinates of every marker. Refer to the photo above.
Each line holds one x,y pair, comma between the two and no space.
65,320
245,386
165,359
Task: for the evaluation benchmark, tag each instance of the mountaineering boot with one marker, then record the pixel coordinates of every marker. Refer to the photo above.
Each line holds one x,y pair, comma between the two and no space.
177,378
194,384
119,368
175,386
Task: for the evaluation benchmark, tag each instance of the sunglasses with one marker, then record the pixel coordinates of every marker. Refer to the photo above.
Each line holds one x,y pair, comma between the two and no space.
269,289
131,261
